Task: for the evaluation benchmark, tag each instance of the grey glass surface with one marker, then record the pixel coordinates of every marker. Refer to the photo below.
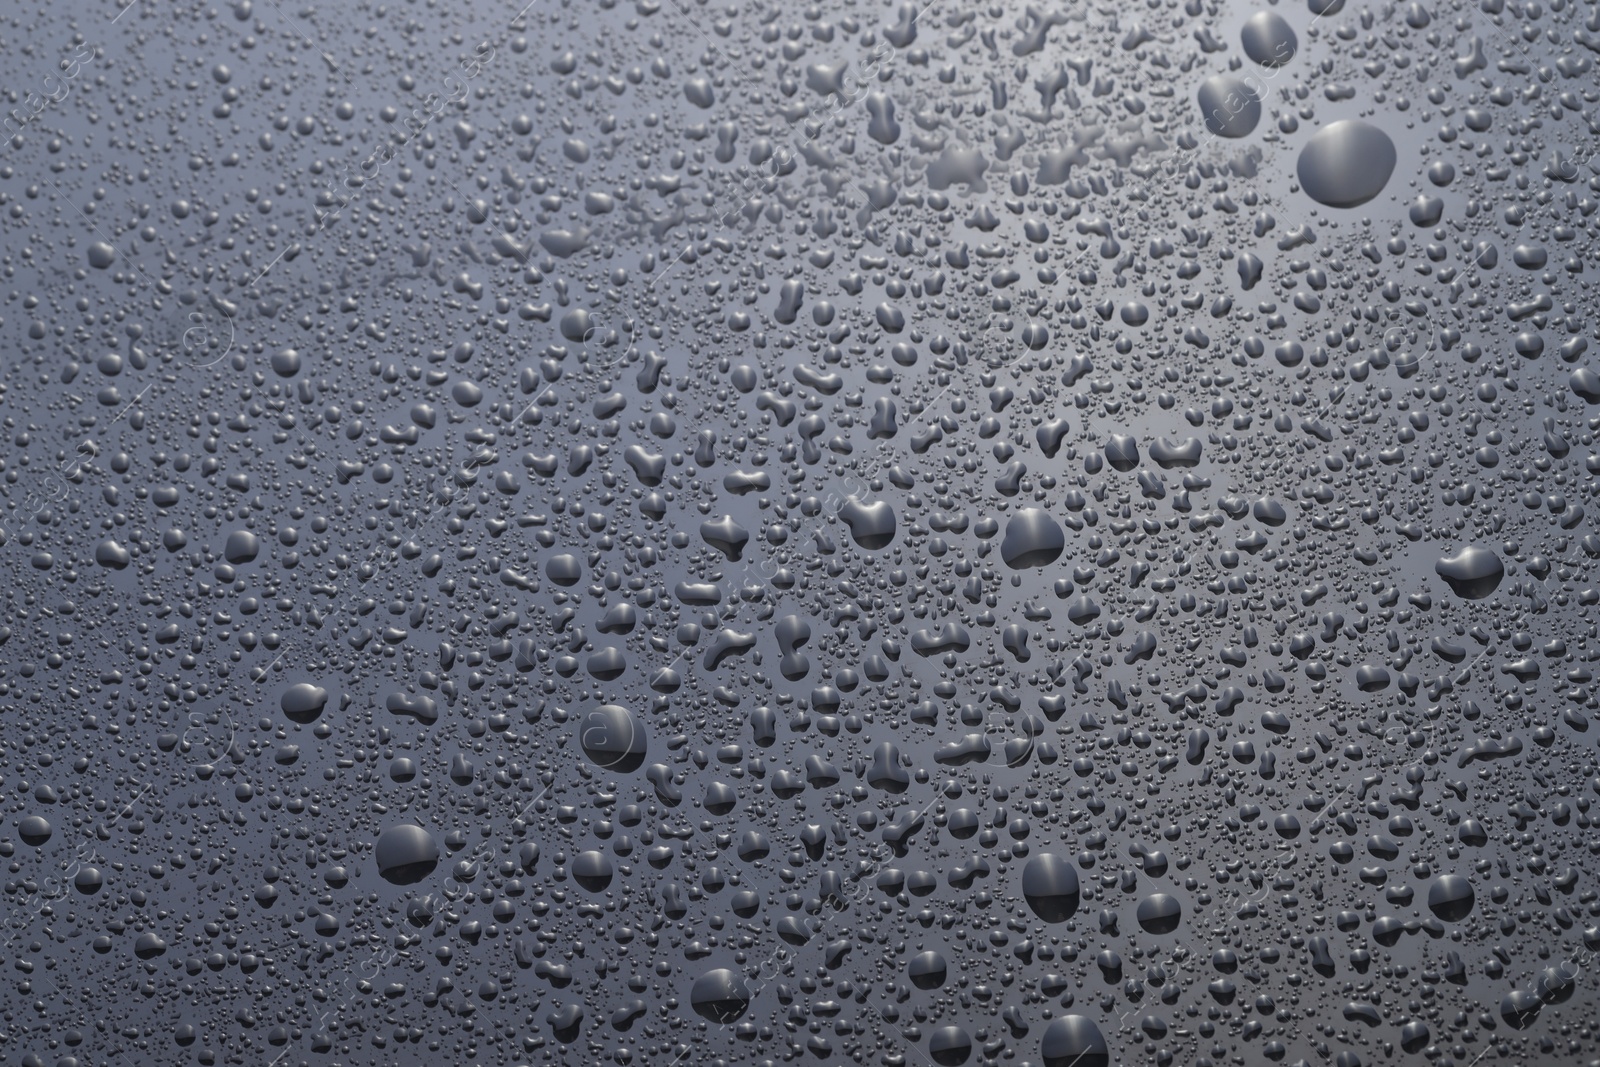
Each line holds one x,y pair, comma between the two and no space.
683,533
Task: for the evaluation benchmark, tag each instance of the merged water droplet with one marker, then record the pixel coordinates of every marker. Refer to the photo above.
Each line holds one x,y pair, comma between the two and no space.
1473,573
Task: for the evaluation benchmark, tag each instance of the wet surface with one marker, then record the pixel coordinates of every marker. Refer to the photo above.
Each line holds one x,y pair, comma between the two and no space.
731,534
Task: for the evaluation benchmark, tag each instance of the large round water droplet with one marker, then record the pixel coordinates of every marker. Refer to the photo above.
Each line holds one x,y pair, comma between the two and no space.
950,1046
242,546
303,702
1229,105
286,362
592,870
1346,164
927,970
564,569
1553,985
1520,1008
35,829
1267,39
1451,897
1074,1041
1586,384
612,738
1160,913
720,996
577,325
1050,886
1473,573
406,853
